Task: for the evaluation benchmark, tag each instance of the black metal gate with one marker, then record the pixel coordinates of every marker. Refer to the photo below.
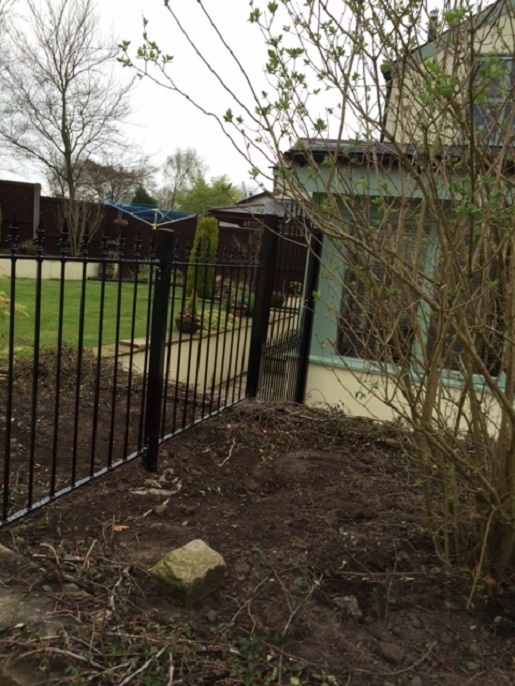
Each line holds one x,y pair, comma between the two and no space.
288,297
96,368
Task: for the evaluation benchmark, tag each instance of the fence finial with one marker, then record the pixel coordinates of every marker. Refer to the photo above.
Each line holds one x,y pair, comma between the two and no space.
13,237
64,240
39,238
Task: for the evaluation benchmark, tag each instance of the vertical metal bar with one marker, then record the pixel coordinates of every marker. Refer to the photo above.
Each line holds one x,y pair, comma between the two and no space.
190,339
164,251
84,248
98,375
242,299
137,255
13,241
184,265
264,288
306,331
64,245
230,265
114,394
248,285
151,281
38,242
168,360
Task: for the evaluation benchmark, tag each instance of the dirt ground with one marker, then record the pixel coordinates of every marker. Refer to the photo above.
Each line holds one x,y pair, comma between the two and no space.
331,578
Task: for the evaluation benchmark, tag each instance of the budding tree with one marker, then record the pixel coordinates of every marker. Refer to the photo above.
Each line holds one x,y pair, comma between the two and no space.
180,172
393,130
61,103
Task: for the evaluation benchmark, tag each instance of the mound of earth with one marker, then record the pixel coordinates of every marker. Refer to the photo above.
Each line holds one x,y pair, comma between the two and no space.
331,577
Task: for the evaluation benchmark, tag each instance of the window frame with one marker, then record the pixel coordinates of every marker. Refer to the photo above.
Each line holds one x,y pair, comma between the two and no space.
493,116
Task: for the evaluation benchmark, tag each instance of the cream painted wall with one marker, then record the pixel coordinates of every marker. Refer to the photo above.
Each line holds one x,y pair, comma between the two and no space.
51,269
359,394
409,117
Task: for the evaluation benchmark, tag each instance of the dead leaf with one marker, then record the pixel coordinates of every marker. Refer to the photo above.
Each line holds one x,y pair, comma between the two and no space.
119,527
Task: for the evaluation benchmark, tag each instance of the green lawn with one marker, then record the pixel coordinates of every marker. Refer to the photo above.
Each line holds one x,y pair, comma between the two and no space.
50,294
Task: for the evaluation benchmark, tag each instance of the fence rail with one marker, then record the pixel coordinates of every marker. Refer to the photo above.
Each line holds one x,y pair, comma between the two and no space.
100,367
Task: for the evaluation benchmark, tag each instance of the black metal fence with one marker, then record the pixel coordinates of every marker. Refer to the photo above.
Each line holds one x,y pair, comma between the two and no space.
102,359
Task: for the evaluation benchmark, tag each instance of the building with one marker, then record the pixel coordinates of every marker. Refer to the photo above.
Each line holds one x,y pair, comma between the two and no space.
414,287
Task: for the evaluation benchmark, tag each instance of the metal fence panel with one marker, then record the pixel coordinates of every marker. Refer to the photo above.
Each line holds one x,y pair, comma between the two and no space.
80,391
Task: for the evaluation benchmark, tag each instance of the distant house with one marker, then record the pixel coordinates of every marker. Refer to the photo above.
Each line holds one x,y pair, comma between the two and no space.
241,224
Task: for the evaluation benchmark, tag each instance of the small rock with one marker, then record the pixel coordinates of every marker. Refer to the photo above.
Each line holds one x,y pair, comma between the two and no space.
7,555
159,510
391,653
241,570
163,454
350,606
166,474
416,681
212,616
75,590
191,572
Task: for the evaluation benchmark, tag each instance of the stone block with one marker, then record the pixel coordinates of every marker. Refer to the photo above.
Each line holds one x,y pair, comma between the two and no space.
189,573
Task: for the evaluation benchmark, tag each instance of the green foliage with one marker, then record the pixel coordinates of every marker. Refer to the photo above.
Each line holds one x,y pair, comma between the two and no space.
220,321
200,277
27,248
143,197
277,299
201,196
241,303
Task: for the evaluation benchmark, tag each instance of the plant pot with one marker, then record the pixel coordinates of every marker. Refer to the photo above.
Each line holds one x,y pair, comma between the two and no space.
187,324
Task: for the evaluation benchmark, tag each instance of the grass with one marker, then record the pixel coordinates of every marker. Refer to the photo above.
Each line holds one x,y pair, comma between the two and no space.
25,297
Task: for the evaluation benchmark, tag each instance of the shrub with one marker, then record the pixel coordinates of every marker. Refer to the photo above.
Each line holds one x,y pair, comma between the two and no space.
277,299
295,288
219,320
27,248
242,302
201,268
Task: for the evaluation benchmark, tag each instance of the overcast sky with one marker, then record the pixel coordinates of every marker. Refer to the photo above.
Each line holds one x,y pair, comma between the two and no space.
164,121
161,120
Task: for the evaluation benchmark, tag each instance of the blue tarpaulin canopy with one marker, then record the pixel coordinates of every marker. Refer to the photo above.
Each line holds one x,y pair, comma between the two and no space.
154,216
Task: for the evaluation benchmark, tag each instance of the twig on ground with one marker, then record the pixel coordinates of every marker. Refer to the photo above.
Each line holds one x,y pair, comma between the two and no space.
123,574
171,671
85,564
481,559
68,653
143,667
400,671
221,464
246,605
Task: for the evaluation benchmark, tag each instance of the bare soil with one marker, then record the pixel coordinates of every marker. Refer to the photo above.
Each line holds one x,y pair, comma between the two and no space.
331,577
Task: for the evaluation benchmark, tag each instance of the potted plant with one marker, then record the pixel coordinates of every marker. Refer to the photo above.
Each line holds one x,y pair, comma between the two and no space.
189,320
241,305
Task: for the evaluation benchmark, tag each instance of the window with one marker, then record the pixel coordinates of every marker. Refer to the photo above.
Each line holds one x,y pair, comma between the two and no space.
378,318
494,106
477,308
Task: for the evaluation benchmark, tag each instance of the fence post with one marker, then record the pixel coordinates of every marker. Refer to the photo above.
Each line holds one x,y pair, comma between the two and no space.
311,283
164,251
262,302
